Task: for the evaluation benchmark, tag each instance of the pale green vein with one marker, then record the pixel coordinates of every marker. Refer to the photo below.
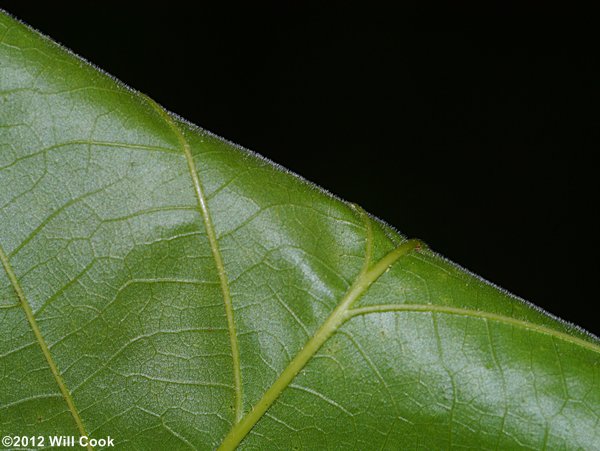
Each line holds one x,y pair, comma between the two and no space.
42,343
367,276
444,309
214,246
54,214
88,142
31,398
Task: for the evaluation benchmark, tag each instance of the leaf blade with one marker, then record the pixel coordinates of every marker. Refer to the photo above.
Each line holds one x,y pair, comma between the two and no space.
99,217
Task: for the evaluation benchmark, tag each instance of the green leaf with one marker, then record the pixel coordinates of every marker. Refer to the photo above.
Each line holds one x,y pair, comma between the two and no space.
173,291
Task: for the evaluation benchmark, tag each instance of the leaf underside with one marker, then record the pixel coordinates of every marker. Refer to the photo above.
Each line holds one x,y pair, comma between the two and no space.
174,291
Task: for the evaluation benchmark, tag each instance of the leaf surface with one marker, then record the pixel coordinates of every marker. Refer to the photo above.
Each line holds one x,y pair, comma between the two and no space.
174,291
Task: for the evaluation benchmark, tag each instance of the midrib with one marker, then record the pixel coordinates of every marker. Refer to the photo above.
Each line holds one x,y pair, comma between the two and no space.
42,343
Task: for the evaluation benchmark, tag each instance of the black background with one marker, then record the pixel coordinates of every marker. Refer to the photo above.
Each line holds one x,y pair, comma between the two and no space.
473,134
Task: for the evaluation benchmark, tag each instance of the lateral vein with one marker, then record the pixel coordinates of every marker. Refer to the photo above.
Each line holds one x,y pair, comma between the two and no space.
367,276
42,343
443,309
214,246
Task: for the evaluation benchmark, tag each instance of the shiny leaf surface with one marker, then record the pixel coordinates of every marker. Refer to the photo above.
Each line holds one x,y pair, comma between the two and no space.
174,291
